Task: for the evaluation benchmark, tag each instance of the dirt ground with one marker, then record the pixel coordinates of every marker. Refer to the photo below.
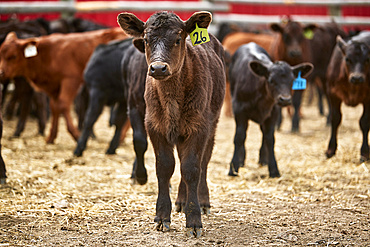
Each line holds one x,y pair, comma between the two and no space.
55,199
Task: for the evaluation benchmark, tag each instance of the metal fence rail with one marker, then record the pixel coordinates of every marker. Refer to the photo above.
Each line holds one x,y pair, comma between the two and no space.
95,6
300,2
221,8
263,19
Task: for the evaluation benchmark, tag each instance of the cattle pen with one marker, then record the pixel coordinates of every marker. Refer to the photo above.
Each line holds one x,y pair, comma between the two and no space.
53,198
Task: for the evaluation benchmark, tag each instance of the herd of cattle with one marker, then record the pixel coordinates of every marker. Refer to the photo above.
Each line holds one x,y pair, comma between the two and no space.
172,91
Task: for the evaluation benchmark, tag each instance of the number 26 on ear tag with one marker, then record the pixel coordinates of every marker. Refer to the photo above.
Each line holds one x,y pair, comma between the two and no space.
199,35
299,83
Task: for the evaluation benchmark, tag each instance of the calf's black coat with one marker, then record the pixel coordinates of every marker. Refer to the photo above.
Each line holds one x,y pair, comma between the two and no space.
258,88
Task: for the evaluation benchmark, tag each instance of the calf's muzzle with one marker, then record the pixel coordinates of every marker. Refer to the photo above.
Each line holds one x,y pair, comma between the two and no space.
159,70
356,78
284,100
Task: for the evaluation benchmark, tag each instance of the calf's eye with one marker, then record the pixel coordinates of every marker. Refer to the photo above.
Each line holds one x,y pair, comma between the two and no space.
11,57
178,41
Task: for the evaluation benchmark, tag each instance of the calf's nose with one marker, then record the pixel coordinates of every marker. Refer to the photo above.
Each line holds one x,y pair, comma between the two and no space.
158,70
284,100
295,53
356,79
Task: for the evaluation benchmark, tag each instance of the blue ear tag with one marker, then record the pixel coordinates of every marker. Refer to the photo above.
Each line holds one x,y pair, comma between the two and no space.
299,83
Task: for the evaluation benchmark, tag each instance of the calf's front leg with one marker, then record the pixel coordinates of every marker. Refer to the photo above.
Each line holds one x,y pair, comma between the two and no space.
191,154
165,166
336,118
239,143
364,125
268,142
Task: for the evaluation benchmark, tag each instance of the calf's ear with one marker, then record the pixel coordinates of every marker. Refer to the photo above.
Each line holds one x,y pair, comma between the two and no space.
276,28
202,18
259,69
309,27
304,68
131,24
30,48
341,44
11,37
139,44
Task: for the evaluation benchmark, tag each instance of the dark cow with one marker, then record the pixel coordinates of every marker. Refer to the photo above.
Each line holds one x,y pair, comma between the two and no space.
54,64
73,25
289,45
258,87
348,79
105,87
184,91
322,46
134,71
2,164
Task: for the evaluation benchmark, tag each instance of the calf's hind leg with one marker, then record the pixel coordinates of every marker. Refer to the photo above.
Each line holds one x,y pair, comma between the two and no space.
69,90
139,172
54,121
120,120
94,110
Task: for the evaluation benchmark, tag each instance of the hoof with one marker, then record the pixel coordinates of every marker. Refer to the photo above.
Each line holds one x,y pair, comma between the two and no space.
205,210
275,175
2,180
329,154
16,135
141,181
232,174
180,208
261,163
363,159
77,153
110,152
163,226
49,141
193,232
295,129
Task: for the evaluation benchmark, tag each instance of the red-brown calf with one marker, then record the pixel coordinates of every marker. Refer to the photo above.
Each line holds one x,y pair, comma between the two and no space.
54,64
349,81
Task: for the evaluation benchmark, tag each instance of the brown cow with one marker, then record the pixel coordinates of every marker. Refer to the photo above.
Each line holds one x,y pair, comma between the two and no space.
348,80
184,92
322,46
54,64
288,45
2,164
24,95
234,40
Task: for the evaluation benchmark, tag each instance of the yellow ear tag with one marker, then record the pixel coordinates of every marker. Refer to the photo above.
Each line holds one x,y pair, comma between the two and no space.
199,35
308,34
